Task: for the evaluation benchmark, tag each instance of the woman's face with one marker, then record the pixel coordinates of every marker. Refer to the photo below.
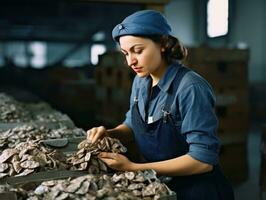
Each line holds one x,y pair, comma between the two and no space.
142,55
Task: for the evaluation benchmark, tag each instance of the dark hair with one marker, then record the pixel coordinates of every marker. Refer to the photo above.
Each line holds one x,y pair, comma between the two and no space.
174,50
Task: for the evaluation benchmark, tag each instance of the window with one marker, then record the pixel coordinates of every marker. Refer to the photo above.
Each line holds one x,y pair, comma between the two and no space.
96,50
38,50
217,18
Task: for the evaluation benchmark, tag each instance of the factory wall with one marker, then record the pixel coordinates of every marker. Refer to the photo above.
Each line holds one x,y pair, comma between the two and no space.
246,29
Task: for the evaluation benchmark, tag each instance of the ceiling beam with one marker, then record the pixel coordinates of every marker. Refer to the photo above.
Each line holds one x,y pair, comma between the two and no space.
132,1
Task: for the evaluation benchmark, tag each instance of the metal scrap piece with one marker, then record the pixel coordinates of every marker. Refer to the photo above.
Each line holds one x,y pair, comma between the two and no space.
130,175
29,156
41,189
17,167
87,157
87,152
62,196
84,188
6,154
29,164
3,167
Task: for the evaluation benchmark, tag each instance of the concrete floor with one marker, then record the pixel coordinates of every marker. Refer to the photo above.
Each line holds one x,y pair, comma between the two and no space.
249,190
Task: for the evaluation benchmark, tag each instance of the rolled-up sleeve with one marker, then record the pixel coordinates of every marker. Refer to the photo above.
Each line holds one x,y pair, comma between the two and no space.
199,122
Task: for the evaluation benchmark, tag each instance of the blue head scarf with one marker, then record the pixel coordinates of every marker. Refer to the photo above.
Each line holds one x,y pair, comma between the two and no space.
144,22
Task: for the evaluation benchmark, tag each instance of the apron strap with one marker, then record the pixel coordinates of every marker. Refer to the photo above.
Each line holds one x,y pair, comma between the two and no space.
136,97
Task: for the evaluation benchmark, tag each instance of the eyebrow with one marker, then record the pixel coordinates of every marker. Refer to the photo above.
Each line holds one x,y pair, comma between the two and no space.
132,47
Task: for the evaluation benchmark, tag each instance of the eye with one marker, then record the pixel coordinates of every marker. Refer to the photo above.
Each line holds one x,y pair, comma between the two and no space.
138,51
124,53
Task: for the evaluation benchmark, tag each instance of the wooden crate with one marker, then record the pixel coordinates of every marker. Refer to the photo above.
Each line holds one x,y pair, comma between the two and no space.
232,110
112,59
105,76
263,163
112,113
227,96
222,68
124,78
257,100
114,77
222,73
207,54
227,125
233,160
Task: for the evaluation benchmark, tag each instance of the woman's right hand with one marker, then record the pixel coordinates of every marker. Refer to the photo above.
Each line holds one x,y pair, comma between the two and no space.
96,133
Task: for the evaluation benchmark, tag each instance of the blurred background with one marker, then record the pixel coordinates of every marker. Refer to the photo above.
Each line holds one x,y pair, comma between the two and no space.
61,52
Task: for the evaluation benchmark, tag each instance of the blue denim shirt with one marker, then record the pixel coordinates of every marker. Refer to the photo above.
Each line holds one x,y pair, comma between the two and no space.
192,110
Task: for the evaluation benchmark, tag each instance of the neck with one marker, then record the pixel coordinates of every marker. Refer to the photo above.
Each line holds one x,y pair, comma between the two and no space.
156,75
155,80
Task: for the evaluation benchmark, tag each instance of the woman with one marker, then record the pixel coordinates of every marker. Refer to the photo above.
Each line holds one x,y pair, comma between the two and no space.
171,112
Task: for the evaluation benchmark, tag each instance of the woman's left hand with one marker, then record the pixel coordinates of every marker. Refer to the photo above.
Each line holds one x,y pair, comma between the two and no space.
116,161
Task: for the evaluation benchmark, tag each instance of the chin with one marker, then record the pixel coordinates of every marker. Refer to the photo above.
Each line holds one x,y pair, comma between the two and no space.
142,75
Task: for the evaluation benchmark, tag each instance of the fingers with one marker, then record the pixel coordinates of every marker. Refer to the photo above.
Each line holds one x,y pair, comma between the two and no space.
91,134
115,161
111,159
109,162
95,133
107,155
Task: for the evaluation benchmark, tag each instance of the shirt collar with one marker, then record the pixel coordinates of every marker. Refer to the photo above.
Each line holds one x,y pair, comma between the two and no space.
168,77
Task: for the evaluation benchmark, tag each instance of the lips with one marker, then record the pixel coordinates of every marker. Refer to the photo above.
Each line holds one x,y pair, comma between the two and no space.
137,69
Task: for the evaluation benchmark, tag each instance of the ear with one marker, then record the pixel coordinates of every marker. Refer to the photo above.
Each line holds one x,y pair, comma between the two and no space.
162,49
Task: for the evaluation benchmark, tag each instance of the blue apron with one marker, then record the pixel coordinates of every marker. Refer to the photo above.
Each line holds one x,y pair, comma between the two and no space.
161,140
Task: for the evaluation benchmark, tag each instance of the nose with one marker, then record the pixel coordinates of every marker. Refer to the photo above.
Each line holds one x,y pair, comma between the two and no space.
131,60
